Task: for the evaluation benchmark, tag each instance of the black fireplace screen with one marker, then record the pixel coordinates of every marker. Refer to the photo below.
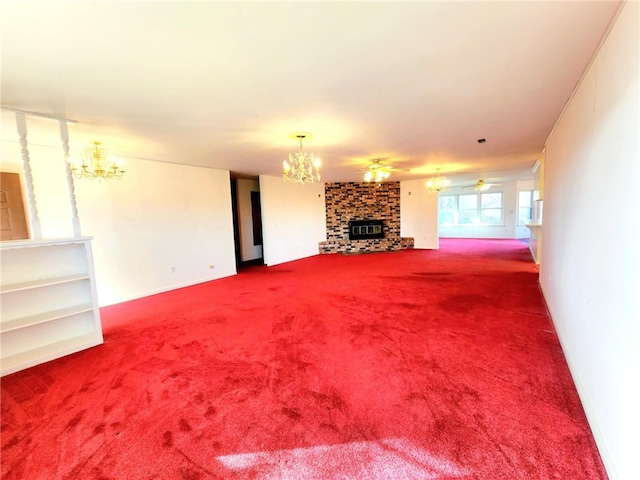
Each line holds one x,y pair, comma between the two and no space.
363,229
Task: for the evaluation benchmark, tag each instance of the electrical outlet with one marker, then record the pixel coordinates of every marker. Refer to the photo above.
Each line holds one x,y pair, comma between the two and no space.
212,266
173,269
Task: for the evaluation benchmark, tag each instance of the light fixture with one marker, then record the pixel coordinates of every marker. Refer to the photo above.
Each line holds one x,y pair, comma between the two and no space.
437,183
378,172
96,163
481,186
301,167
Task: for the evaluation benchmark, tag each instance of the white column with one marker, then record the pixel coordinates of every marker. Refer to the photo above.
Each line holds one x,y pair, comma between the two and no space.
34,220
64,135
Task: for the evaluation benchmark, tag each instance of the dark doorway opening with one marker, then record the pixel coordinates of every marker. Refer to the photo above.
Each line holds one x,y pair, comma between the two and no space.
247,221
236,228
256,218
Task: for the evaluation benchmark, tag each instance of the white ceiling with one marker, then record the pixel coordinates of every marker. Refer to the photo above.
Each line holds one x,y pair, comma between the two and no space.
223,84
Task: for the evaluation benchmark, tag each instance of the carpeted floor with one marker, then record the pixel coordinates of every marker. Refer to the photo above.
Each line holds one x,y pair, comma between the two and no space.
405,365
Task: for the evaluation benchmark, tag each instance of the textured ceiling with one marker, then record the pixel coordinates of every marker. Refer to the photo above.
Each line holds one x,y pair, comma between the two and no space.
223,84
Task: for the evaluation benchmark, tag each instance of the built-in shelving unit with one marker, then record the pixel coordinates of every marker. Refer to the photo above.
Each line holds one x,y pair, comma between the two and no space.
535,239
49,304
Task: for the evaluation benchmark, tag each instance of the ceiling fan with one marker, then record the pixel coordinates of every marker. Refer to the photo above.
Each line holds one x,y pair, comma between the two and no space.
481,185
377,171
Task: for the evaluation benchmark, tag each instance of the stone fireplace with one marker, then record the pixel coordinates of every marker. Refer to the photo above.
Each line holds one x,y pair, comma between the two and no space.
363,217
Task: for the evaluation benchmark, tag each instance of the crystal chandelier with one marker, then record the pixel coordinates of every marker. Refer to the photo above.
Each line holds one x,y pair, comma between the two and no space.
378,172
97,164
437,183
301,167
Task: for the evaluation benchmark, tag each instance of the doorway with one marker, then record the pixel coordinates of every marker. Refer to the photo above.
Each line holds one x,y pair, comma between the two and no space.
247,221
12,218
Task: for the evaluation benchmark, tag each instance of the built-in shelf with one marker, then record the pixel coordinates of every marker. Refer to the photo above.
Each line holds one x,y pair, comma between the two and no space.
535,239
47,352
533,224
45,282
7,326
49,303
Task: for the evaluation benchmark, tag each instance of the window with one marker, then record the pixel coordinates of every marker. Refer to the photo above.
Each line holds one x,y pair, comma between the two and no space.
470,209
525,205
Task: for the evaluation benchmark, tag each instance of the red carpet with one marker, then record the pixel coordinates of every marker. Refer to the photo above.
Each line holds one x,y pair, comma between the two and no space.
408,365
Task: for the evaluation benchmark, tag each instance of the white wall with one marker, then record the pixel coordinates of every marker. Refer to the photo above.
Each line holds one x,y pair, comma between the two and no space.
248,251
590,263
510,214
419,214
293,219
159,216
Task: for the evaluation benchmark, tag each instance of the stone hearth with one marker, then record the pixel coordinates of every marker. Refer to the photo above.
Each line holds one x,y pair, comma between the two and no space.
364,246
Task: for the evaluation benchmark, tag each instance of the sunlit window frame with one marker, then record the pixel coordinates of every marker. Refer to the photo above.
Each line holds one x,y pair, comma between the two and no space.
533,197
479,209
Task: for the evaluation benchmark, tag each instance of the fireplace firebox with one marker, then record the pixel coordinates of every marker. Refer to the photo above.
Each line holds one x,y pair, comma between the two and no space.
365,229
